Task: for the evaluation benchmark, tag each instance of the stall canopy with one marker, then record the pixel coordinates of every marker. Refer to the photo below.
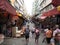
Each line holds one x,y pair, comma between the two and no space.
5,5
55,3
51,12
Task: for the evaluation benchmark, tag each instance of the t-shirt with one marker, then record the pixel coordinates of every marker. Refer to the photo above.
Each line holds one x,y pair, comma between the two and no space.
56,31
37,32
53,41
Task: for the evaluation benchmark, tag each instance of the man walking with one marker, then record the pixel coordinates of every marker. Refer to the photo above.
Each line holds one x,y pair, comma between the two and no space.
27,31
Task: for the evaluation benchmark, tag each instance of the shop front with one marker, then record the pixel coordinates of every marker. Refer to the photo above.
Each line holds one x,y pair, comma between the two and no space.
52,16
9,18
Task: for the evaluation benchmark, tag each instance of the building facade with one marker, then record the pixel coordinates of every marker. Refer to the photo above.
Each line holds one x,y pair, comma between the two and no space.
45,6
41,6
35,5
53,19
19,6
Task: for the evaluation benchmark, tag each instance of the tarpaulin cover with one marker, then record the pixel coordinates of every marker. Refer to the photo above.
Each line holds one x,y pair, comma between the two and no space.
51,12
55,3
5,5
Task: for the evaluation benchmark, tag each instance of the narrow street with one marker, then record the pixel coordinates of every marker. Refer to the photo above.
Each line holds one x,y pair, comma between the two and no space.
19,18
21,41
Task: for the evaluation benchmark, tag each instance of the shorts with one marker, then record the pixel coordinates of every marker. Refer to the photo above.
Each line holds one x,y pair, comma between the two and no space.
48,40
37,37
32,32
26,36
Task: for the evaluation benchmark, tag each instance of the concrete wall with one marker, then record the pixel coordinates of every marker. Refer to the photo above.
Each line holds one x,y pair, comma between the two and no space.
45,3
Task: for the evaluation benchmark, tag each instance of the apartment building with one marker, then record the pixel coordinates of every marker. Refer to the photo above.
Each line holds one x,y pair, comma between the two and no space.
45,6
18,5
35,5
40,6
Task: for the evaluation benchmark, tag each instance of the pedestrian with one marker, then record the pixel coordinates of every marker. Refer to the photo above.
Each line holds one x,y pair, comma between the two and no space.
30,35
27,31
37,34
56,40
33,31
9,32
48,35
44,39
56,31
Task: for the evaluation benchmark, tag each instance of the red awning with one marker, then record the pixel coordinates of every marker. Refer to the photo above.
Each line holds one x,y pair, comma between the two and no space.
56,3
51,12
4,5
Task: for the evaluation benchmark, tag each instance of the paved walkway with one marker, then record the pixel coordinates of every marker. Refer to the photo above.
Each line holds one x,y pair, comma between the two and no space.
21,41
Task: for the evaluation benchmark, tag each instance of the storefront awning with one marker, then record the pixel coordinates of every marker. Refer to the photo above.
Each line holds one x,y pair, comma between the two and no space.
55,3
51,12
5,5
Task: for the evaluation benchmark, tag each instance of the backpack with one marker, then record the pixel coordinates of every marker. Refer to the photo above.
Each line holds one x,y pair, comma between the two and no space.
27,31
49,34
